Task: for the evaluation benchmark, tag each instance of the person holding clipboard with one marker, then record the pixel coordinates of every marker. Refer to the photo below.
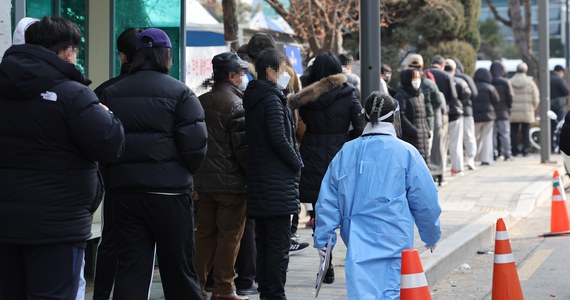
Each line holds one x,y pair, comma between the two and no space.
375,189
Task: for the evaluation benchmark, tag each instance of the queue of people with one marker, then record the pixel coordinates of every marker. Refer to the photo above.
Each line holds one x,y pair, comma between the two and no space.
254,148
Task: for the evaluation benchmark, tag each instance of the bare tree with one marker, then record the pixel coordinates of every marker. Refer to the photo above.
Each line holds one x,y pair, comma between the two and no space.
319,22
230,23
521,30
227,11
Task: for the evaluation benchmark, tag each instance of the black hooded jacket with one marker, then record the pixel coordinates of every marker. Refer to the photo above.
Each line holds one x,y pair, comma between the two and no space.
165,133
487,99
273,159
504,89
415,128
328,108
52,133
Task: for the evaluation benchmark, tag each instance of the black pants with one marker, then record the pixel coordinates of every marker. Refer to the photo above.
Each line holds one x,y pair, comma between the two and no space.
148,222
522,129
273,239
246,259
40,272
106,264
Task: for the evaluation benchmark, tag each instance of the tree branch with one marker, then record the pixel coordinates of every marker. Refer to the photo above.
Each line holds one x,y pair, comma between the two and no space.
497,15
278,7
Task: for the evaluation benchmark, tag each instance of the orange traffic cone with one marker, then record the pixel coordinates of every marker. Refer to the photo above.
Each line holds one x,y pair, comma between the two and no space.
559,221
506,285
414,283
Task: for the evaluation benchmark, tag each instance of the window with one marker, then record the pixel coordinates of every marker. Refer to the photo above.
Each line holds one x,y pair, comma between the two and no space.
74,10
163,14
39,8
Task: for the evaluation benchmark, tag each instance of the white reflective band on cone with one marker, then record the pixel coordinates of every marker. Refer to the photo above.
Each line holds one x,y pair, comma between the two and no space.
411,281
501,235
557,198
504,258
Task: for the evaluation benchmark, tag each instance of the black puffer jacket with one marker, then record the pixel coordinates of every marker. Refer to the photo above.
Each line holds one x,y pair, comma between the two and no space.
273,160
328,107
125,68
415,128
165,133
224,168
52,132
504,89
487,98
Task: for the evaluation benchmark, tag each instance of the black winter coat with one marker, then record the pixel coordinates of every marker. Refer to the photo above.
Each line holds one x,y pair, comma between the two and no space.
487,99
558,93
415,128
328,108
125,68
165,133
52,132
468,103
274,162
504,89
224,168
446,85
463,92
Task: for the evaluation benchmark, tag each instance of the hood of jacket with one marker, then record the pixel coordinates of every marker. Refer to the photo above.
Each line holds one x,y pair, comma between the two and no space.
257,90
520,80
483,75
406,82
312,93
28,70
497,69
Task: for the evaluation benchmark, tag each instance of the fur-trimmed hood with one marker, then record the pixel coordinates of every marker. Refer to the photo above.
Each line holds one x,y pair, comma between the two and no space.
313,92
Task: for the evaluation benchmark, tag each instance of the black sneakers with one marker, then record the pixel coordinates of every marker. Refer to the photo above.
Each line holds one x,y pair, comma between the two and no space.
249,291
297,247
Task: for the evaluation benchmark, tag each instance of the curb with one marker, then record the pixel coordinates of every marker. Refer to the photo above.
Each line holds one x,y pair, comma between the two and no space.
456,248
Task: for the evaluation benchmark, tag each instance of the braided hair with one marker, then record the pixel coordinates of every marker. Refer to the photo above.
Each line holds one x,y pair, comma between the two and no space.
377,105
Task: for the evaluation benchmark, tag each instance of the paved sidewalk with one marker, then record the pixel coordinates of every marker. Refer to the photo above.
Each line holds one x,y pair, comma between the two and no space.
471,204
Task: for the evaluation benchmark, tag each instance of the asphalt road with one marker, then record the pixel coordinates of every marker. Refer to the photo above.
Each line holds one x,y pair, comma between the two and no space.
543,264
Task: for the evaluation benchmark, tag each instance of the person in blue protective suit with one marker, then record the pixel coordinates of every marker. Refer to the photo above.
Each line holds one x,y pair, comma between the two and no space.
375,189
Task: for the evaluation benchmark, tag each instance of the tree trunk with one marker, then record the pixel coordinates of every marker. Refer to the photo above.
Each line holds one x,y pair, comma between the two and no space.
522,34
230,23
521,31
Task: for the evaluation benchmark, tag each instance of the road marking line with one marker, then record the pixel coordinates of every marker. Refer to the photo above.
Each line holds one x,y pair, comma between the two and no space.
533,263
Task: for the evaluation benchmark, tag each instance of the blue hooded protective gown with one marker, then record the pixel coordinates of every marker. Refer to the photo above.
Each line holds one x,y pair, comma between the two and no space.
374,190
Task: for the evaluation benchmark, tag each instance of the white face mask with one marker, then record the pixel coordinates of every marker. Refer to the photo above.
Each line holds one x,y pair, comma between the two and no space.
244,81
283,80
416,83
